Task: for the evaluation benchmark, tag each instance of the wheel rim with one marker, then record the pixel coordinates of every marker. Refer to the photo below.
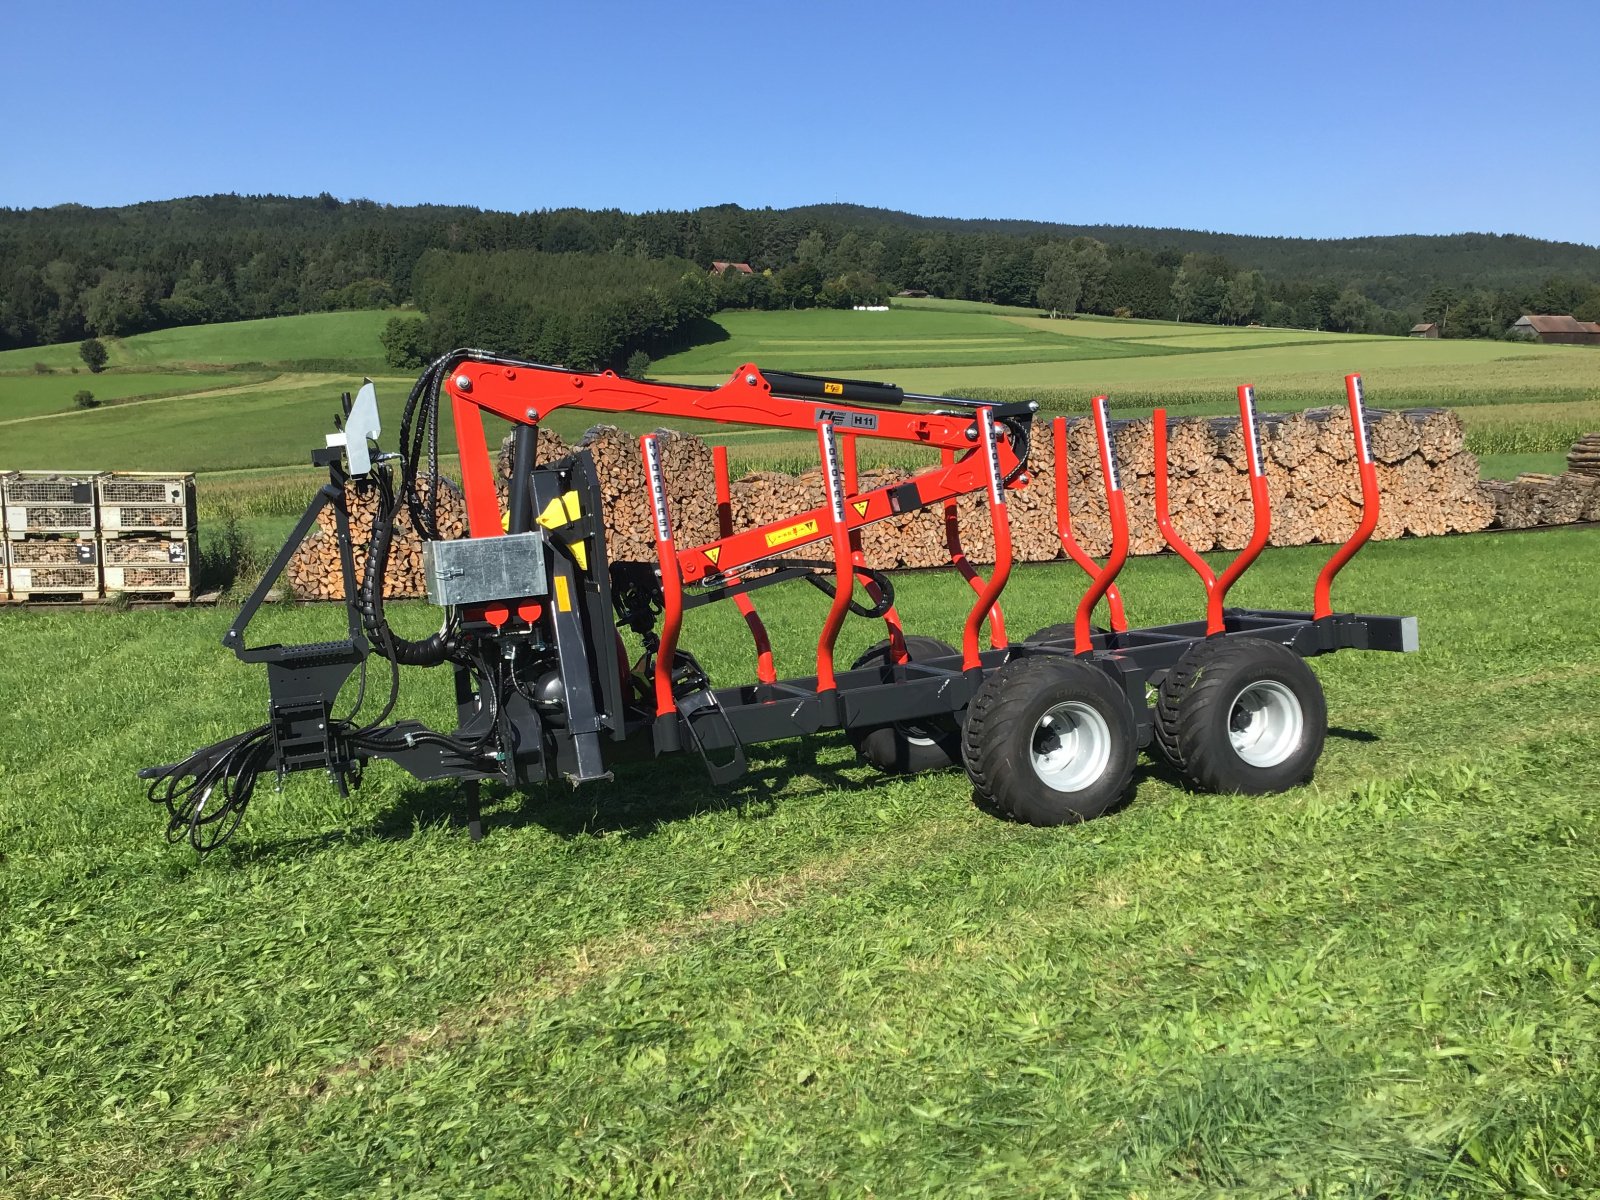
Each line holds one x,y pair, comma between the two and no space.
1071,746
1265,723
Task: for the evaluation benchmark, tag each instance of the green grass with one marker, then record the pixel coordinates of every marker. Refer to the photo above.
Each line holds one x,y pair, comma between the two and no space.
1509,466
24,396
833,340
348,339
819,981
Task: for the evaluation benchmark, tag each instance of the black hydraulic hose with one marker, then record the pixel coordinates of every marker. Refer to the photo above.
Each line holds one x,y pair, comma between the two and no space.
430,651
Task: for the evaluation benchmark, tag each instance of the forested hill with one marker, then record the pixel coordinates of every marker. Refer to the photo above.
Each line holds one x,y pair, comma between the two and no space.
1506,260
71,271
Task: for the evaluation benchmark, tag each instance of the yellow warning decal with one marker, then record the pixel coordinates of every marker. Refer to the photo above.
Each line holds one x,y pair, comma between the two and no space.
563,595
791,533
860,506
713,553
833,389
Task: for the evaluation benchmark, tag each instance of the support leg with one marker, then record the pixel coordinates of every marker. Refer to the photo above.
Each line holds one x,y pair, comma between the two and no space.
474,804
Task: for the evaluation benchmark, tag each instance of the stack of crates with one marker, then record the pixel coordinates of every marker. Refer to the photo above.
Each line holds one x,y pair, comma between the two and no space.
148,545
51,535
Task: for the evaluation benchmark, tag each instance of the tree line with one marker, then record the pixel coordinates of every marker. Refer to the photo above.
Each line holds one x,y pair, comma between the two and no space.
71,271
580,310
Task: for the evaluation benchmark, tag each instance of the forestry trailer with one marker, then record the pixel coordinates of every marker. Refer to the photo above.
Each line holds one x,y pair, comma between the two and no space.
1049,728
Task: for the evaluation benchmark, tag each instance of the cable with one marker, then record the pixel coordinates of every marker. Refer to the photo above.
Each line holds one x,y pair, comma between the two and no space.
207,793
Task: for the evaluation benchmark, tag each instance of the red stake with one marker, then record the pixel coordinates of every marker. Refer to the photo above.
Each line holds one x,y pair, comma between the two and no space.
1083,642
1058,436
958,559
1323,602
844,575
891,617
671,580
766,671
1260,503
1000,521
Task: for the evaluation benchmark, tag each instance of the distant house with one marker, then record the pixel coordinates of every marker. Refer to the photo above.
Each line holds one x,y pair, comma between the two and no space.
722,268
1566,330
1428,330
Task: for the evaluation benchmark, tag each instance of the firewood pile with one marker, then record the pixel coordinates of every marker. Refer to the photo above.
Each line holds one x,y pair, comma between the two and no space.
1427,480
1534,499
1584,457
314,572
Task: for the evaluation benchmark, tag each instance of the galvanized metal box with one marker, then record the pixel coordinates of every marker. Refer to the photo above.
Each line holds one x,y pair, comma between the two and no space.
481,570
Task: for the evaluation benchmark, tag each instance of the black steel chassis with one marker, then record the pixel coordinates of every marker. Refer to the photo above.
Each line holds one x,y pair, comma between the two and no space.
1136,659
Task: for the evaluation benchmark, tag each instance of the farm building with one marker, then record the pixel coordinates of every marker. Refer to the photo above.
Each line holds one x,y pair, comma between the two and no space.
1538,327
1429,329
722,268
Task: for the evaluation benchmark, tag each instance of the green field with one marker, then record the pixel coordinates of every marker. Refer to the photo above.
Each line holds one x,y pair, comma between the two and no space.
24,396
266,419
347,338
821,982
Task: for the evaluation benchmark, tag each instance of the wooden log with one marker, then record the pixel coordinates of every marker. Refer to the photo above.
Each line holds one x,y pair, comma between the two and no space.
1392,437
1441,435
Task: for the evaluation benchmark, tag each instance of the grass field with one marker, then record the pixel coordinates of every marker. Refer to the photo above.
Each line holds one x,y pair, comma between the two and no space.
818,981
347,338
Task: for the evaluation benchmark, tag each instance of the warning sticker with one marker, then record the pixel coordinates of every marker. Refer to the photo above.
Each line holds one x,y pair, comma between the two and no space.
713,553
791,533
860,506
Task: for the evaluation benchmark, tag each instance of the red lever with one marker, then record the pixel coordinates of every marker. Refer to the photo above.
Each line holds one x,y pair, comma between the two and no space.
1323,603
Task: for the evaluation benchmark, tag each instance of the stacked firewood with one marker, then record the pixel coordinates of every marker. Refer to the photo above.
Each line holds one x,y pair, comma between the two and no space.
691,496
1534,499
1584,457
314,571
1427,480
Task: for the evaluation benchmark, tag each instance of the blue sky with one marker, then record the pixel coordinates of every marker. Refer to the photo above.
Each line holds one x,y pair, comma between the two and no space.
1286,118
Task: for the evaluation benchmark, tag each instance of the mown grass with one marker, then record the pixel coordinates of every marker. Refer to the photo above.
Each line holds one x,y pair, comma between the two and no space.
350,339
818,981
40,395
1509,466
880,341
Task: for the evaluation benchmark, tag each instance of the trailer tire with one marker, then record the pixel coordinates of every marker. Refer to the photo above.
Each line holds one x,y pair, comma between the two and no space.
1241,715
1050,741
909,747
